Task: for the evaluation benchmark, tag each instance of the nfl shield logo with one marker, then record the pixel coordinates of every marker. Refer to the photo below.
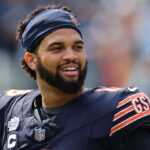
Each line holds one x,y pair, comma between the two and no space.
39,134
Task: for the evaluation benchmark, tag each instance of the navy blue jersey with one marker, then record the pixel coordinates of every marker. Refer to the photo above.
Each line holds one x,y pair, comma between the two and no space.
99,119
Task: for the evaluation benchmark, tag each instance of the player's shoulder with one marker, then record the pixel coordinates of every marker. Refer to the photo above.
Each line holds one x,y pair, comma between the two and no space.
116,90
103,101
111,96
9,96
115,99
115,94
132,111
14,92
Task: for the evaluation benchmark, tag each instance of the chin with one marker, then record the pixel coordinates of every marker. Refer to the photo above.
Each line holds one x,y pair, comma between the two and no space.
67,79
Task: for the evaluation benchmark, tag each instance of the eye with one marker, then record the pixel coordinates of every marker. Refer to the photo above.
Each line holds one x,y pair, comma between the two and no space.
79,47
56,49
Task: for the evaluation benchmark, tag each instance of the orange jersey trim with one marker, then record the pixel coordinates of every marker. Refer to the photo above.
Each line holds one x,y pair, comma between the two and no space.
129,121
123,112
129,99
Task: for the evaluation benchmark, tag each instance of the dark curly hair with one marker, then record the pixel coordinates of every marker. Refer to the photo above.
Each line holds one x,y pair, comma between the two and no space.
22,25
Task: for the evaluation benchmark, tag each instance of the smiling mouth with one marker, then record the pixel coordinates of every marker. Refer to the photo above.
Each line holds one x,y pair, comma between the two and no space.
70,71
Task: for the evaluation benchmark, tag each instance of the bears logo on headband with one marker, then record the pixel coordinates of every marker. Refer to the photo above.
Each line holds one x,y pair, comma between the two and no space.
74,20
47,22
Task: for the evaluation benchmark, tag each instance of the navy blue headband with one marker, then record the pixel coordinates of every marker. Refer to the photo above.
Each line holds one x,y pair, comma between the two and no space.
47,22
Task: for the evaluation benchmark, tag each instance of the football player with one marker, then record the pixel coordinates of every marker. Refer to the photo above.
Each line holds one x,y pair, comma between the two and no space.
61,114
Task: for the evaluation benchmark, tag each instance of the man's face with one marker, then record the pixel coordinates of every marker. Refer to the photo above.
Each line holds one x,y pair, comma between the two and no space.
62,60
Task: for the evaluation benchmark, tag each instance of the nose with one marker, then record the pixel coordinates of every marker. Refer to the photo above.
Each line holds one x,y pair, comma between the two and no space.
70,54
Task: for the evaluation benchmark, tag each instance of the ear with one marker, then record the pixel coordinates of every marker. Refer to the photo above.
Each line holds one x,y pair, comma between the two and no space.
31,60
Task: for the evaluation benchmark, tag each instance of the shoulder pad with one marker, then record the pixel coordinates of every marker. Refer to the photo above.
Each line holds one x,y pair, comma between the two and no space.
7,96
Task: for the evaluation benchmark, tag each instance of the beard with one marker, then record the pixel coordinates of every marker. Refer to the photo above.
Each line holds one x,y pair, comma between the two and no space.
55,80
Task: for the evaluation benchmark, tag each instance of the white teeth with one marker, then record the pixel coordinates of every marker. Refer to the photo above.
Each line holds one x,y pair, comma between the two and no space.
70,69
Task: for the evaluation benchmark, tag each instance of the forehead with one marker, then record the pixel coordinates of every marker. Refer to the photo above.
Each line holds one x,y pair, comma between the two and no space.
62,35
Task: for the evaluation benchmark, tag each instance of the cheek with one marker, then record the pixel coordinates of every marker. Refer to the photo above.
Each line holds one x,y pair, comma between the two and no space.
50,63
83,61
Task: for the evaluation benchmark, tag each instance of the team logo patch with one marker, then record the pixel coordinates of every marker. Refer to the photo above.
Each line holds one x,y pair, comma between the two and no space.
132,89
39,134
141,104
74,20
13,123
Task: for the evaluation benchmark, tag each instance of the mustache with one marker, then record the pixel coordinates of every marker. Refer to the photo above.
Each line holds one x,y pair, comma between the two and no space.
67,62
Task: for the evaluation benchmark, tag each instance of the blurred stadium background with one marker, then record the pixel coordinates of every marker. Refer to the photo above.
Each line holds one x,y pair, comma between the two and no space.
116,34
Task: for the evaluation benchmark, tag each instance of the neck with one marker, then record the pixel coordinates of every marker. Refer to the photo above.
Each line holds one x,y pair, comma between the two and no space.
53,97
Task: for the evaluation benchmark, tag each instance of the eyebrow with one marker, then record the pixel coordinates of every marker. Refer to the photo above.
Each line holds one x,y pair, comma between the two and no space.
79,42
55,43
61,43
